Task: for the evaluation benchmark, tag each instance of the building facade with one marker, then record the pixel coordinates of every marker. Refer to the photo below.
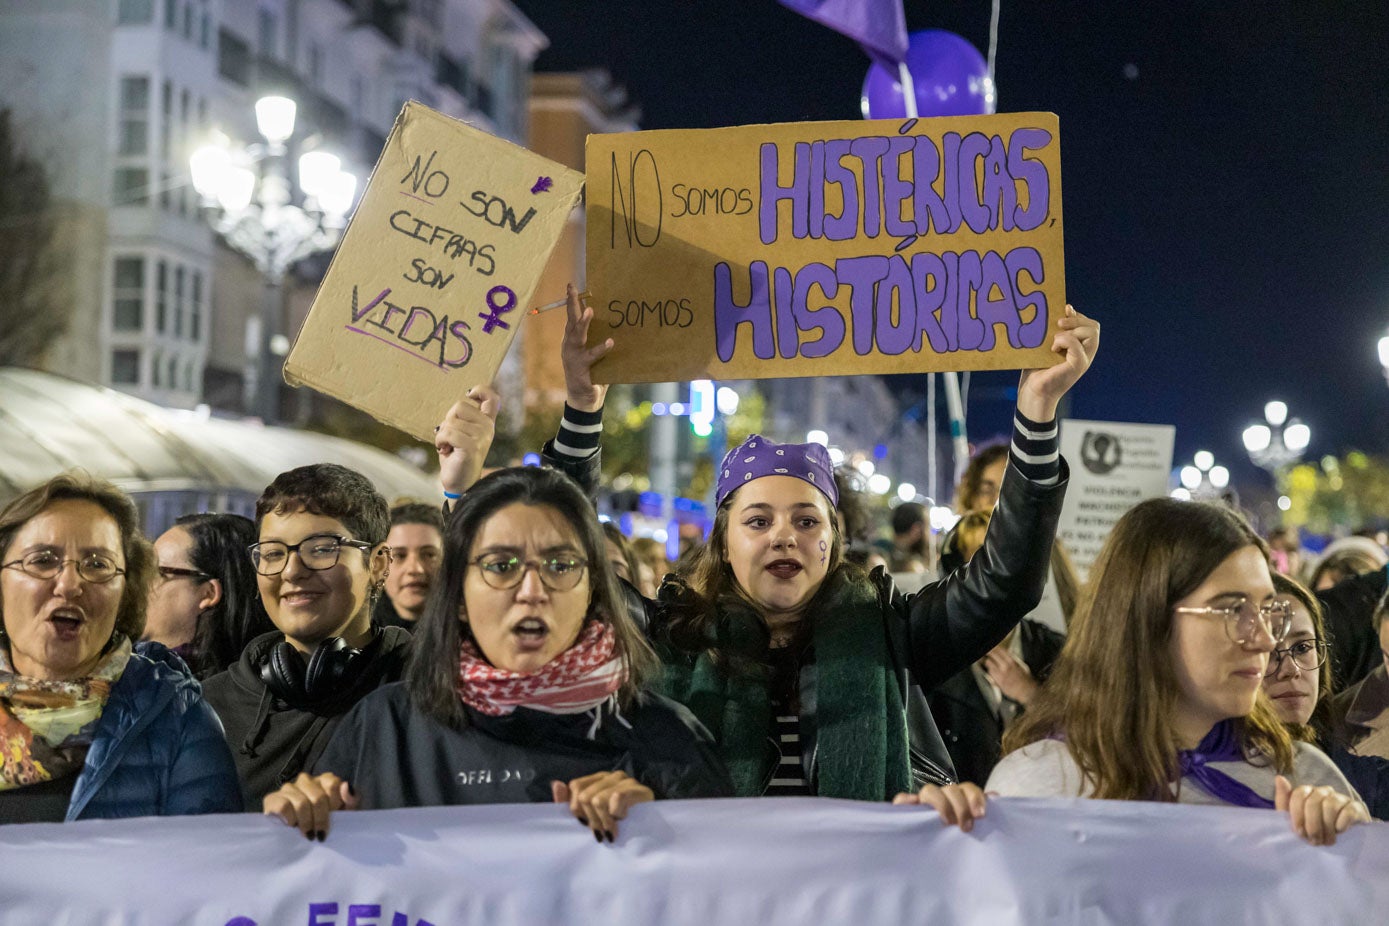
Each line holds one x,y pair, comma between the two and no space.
114,95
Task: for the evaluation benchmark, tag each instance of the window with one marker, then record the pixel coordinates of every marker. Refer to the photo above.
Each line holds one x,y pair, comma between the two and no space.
133,138
233,58
188,21
128,294
184,115
205,34
195,314
315,64
158,369
125,367
161,298
134,12
178,302
267,31
171,15
131,186
166,143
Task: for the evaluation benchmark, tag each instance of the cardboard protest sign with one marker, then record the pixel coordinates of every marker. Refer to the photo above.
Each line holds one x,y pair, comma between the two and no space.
1114,466
435,271
826,248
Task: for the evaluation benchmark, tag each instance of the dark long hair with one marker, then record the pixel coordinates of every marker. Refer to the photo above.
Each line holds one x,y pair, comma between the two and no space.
219,550
432,674
137,552
1317,730
1114,690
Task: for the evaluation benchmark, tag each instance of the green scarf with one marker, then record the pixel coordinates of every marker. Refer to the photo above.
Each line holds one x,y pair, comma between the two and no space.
860,720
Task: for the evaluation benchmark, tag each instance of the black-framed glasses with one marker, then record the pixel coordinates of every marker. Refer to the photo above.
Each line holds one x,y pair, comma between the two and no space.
169,573
1307,655
503,571
1243,620
316,552
96,568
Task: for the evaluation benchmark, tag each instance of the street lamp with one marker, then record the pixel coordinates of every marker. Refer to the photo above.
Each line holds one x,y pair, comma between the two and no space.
1278,441
251,202
1203,477
1384,355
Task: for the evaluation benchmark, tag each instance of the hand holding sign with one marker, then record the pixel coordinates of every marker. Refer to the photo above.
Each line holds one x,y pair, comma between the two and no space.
1040,391
464,437
578,359
308,801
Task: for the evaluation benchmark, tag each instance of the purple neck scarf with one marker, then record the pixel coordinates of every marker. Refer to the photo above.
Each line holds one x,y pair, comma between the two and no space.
1219,745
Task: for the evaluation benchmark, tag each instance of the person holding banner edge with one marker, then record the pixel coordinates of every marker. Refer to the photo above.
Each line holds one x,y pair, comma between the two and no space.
805,668
1158,695
526,684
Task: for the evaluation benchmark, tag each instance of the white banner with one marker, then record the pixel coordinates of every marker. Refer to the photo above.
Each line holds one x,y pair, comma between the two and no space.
797,861
1114,466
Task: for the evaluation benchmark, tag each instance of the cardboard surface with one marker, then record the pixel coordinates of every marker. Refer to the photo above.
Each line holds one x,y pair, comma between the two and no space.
826,248
435,273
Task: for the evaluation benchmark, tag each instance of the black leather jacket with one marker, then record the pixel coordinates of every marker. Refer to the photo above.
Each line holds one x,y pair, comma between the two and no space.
940,630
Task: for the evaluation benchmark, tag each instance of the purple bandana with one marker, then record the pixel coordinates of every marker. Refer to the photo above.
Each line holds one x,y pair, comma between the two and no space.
757,457
1219,745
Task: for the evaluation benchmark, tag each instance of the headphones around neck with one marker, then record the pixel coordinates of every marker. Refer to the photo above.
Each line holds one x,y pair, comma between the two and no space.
330,668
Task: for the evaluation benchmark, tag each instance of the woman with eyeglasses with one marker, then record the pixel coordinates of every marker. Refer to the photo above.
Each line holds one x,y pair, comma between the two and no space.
526,684
204,604
1157,694
1298,685
93,725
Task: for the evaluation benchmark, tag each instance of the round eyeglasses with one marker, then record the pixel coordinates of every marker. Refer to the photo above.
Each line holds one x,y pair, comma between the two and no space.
1244,620
316,552
1307,655
95,568
503,571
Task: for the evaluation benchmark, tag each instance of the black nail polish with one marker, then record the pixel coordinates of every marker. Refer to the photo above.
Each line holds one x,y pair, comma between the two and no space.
322,835
611,837
597,836
309,835
583,820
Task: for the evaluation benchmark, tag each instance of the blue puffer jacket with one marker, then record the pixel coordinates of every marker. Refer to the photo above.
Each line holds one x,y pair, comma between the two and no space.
158,750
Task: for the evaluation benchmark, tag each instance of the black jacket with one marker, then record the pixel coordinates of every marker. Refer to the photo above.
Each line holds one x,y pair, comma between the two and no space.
949,624
273,741
971,730
395,755
1349,607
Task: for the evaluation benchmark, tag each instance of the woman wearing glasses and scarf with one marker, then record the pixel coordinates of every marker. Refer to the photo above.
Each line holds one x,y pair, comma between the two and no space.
525,684
1157,693
91,726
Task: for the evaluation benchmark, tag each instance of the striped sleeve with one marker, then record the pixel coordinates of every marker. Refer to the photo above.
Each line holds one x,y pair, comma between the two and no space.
1036,449
579,433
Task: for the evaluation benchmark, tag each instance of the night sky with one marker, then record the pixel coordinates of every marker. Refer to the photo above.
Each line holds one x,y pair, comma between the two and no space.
1226,181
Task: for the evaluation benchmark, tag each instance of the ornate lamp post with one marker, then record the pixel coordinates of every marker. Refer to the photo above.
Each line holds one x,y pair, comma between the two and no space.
1278,441
251,201
1203,478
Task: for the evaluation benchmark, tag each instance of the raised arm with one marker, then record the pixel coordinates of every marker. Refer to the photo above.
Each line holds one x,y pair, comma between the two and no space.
575,450
956,621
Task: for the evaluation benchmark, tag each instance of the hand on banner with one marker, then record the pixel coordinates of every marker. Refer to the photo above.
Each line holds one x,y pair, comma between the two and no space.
599,800
1040,391
582,392
1318,814
1011,675
958,805
464,437
308,800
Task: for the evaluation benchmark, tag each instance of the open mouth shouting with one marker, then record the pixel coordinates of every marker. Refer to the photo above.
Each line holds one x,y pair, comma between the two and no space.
66,622
530,633
785,568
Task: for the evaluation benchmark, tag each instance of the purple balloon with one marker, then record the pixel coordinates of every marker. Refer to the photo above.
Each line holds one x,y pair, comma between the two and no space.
951,78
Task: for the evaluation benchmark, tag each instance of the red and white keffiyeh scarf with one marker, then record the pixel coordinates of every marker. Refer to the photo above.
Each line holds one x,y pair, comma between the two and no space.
579,679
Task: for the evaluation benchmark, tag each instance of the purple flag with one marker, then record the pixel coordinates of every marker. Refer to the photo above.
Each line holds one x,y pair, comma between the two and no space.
880,26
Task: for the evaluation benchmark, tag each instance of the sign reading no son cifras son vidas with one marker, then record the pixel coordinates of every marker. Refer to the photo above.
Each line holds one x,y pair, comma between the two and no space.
826,248
435,272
